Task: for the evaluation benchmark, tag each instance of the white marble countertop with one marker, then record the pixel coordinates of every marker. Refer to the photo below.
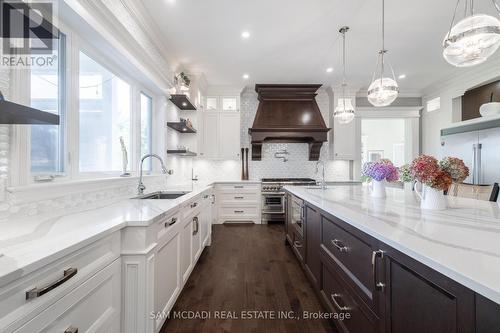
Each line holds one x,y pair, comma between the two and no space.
31,243
462,242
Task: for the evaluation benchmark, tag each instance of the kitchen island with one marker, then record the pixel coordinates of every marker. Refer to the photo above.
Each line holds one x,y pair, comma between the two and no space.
390,264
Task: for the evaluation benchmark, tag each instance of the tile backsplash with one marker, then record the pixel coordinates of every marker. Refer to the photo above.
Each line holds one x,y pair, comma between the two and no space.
298,164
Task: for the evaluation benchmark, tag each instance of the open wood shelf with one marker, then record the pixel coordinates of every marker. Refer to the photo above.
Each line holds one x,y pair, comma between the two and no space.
182,102
181,152
181,126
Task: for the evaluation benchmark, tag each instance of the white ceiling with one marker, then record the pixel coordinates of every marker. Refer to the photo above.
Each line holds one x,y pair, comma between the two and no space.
294,41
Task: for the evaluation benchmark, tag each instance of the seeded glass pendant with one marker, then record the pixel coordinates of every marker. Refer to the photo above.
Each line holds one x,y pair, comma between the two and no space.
472,40
344,112
383,90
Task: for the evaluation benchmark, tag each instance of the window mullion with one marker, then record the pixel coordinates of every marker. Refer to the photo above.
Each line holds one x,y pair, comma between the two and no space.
72,86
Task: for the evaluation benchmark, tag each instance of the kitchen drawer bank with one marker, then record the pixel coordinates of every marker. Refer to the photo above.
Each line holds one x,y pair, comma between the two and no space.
125,279
239,202
383,289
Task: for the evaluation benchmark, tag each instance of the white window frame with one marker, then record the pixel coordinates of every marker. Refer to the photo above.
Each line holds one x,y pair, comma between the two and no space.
20,173
153,143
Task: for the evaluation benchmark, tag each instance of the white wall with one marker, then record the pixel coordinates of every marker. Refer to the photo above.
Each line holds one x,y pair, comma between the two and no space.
447,90
382,134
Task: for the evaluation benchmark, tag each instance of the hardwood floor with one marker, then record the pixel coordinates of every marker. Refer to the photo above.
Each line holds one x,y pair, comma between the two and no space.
247,268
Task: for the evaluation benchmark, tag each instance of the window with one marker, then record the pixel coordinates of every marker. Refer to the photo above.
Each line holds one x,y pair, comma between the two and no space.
48,94
104,117
434,104
146,128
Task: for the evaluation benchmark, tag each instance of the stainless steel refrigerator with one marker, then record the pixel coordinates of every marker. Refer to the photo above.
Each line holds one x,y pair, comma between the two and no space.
479,146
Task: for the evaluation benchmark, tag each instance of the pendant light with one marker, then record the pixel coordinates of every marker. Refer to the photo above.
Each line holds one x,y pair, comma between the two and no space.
472,40
384,90
344,112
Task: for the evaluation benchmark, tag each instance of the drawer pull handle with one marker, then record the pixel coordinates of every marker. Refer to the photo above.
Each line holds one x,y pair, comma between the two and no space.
340,246
37,292
297,244
194,204
239,186
196,224
239,197
172,222
239,211
205,196
377,254
337,305
71,329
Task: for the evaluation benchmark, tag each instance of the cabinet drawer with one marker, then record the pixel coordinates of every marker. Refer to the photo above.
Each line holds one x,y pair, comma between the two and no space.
239,188
239,198
238,212
94,306
16,309
337,295
191,207
165,226
351,253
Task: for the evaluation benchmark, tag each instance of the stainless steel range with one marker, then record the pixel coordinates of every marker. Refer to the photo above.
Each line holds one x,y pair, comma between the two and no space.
273,197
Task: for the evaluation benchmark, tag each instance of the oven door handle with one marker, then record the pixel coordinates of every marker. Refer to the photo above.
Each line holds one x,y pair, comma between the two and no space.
275,194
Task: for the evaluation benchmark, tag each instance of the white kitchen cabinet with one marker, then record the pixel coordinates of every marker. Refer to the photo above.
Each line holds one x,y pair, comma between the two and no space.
238,202
185,255
221,129
16,310
168,278
230,103
212,103
94,306
344,140
126,282
211,129
229,135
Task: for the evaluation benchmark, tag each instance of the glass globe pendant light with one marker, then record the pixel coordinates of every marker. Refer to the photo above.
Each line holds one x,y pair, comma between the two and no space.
344,112
472,40
384,90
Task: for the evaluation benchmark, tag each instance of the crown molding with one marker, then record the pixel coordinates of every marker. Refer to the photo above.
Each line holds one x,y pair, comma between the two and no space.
464,79
117,24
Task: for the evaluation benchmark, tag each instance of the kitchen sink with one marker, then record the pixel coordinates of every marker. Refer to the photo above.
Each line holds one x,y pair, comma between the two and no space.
163,195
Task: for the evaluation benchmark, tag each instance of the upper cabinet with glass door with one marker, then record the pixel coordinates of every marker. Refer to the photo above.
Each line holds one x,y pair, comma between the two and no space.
230,104
222,103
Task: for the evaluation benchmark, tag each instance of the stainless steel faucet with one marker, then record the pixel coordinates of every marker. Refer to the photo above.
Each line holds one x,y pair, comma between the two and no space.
323,182
193,179
141,187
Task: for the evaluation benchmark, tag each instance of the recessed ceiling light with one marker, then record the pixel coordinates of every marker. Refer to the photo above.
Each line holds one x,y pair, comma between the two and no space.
246,76
171,1
245,34
329,69
402,76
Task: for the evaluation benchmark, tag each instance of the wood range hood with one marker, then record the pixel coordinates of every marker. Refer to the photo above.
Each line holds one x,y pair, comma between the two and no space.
288,113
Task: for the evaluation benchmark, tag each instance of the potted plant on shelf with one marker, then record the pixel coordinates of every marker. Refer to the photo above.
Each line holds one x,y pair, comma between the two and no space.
378,173
435,177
